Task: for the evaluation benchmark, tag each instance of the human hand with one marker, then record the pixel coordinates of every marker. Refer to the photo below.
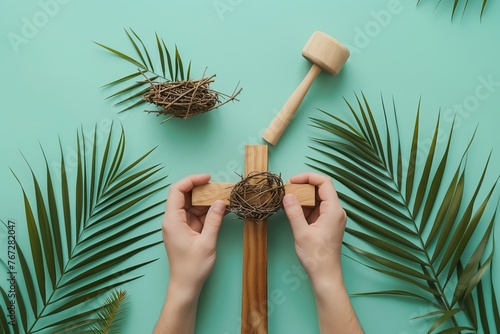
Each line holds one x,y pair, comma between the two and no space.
190,235
317,231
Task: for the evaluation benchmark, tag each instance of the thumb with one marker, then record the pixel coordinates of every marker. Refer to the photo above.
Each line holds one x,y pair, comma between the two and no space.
213,220
294,213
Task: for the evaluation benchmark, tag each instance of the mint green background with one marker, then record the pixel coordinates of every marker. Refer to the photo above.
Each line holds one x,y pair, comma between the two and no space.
50,87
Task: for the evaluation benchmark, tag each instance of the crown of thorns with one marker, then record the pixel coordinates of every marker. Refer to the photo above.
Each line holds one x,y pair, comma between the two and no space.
257,196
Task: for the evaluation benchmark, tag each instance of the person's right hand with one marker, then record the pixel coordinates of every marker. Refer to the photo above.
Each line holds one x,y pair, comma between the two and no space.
317,231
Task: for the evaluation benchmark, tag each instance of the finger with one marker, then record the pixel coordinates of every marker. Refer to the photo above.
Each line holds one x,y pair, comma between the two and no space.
326,190
295,214
188,183
178,191
213,221
198,211
194,222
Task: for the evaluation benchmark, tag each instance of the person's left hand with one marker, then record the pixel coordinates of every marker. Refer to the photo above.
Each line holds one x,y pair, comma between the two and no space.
190,235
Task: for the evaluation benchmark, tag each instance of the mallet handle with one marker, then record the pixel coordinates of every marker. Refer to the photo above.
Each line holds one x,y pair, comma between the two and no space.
280,122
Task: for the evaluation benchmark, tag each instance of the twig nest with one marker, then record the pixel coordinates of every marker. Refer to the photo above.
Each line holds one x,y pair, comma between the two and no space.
184,99
257,196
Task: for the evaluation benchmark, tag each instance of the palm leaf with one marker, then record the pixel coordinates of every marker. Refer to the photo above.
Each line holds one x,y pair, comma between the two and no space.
59,281
456,4
461,246
494,302
169,60
30,287
416,224
178,62
399,293
110,317
412,161
129,90
4,324
145,51
435,185
160,53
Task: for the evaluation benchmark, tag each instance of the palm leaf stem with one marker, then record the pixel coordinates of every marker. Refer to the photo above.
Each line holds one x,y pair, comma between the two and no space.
437,282
41,312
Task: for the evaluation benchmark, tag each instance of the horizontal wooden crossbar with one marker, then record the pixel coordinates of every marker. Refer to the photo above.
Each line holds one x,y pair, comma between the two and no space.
206,194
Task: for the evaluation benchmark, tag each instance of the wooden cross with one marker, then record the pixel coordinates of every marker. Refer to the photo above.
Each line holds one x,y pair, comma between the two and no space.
254,301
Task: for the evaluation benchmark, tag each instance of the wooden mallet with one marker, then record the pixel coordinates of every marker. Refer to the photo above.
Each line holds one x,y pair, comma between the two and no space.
254,299
325,53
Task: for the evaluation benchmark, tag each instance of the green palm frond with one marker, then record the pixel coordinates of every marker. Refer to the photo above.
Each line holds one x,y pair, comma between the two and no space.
464,4
81,230
417,226
138,82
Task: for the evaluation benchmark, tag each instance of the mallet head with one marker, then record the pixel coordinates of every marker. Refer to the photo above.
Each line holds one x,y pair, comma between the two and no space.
326,52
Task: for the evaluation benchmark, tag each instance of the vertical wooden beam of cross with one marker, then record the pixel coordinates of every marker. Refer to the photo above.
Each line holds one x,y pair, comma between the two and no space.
254,296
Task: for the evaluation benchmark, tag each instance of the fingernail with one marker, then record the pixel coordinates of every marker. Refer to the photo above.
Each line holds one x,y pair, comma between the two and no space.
218,207
288,199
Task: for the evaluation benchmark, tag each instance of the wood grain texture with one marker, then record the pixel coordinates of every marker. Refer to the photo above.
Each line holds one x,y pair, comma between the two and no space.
254,301
281,120
206,194
326,52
